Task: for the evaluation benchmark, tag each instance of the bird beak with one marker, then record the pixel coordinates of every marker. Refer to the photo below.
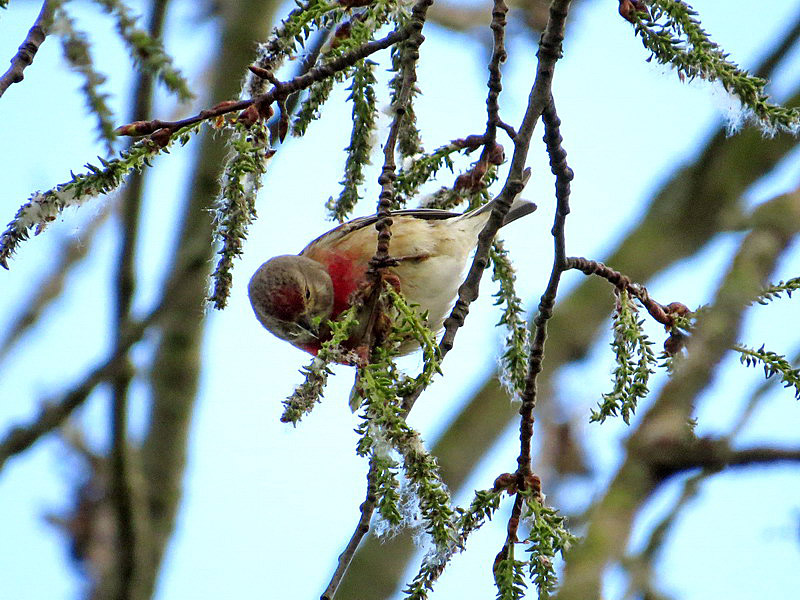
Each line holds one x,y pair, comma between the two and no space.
305,325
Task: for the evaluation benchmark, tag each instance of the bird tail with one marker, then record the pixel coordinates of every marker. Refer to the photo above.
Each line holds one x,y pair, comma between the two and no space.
519,207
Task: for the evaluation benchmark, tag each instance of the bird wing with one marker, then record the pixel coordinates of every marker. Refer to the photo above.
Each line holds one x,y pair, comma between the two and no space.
337,233
346,250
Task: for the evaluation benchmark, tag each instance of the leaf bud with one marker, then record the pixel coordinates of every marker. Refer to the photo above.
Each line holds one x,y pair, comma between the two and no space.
161,137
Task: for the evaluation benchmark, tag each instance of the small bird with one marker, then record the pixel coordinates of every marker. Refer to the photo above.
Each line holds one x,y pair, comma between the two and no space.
293,296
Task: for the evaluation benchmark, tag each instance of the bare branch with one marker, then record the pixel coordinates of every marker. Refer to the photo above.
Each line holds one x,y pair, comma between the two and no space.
127,495
494,84
346,557
70,254
779,52
563,173
549,53
661,313
670,457
28,49
177,361
524,477
387,177
381,259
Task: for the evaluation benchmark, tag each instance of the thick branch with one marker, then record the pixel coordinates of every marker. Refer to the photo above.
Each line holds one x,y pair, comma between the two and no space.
127,497
777,54
176,363
668,459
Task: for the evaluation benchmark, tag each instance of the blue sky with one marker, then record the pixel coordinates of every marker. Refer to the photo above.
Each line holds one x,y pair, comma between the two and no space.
249,528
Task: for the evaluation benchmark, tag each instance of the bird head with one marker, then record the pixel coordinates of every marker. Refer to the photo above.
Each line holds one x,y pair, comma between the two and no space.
291,296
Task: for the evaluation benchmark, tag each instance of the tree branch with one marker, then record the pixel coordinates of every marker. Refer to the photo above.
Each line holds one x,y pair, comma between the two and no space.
45,291
674,226
549,53
387,177
524,478
381,259
176,362
346,557
667,458
21,438
127,497
28,49
779,52
665,424
276,93
662,314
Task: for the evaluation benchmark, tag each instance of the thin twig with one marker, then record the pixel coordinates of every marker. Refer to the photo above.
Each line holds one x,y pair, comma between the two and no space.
28,49
304,67
270,55
387,176
755,400
665,423
492,153
549,53
563,174
658,311
280,92
346,557
381,260
498,27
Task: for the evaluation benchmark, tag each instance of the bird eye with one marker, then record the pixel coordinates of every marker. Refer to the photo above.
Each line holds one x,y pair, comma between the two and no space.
308,293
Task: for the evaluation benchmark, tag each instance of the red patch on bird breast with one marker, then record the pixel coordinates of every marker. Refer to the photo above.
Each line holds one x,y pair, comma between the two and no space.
346,274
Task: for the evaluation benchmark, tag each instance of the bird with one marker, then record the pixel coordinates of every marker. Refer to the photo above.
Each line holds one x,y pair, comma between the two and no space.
293,296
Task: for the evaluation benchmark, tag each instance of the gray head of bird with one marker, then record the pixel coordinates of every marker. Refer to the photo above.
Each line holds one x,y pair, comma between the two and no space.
291,296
